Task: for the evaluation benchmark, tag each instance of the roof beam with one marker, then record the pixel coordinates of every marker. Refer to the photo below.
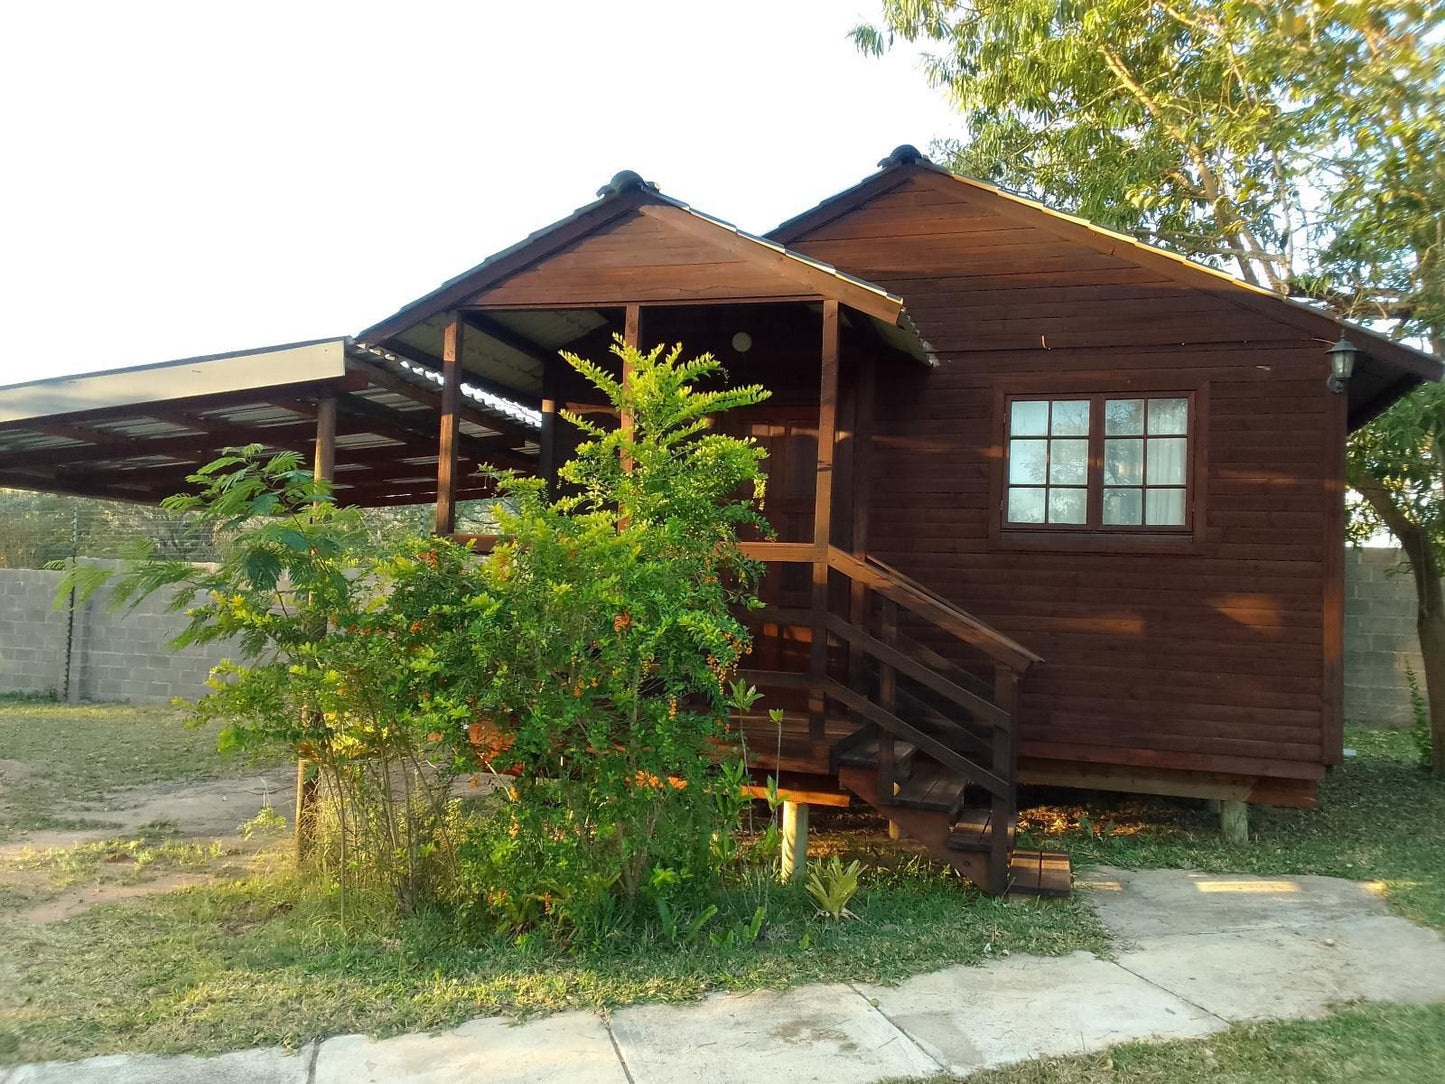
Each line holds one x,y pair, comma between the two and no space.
180,446
495,450
471,412
418,356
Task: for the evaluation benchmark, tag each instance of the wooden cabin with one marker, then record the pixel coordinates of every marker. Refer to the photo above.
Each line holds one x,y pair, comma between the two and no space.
1052,506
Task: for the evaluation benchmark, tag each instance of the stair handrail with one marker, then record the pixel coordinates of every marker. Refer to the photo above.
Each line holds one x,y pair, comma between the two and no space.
913,597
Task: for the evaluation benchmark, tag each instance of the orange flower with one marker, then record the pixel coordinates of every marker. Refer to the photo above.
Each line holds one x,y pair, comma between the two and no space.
621,621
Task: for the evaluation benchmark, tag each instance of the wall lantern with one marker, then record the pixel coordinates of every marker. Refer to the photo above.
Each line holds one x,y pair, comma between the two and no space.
742,342
1342,364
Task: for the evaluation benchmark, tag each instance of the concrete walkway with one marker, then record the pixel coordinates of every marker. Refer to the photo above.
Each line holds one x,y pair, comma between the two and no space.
1196,953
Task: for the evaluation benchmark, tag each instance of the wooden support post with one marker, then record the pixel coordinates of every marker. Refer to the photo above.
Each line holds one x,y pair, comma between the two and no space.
323,469
823,520
1234,822
861,453
547,443
446,519
1004,806
887,690
794,858
323,460
631,336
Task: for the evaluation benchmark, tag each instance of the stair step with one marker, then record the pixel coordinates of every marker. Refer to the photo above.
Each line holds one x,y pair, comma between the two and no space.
865,755
934,787
1039,873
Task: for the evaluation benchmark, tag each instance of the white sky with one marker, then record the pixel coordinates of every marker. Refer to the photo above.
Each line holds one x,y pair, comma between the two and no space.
189,178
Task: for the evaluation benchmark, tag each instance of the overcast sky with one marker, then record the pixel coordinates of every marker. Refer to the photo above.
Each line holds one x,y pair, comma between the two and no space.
190,178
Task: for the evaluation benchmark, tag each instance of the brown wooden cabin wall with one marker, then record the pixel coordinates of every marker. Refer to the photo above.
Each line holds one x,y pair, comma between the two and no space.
1204,655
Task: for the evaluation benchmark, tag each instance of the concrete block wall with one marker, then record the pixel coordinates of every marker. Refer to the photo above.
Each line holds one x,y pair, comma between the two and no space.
114,654
32,632
123,655
1380,638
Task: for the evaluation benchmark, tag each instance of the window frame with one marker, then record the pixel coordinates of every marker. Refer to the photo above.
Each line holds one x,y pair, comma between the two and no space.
1093,533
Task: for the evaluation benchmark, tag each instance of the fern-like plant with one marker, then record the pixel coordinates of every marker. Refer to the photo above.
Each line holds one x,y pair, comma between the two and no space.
832,885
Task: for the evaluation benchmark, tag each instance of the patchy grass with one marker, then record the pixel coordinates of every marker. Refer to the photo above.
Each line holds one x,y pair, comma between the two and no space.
1379,819
267,960
152,852
59,756
1382,1044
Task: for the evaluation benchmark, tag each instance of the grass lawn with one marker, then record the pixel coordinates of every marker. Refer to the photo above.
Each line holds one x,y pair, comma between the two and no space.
59,755
265,958
1378,1044
1380,818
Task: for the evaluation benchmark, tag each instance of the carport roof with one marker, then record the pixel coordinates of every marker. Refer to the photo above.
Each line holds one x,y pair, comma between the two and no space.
135,433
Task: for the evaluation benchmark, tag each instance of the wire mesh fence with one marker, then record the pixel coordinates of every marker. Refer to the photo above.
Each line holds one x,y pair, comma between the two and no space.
39,529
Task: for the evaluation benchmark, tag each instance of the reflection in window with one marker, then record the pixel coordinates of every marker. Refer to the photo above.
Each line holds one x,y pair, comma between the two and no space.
1048,472
1101,462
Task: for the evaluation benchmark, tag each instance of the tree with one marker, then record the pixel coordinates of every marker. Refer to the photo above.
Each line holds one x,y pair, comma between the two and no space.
1397,464
1300,146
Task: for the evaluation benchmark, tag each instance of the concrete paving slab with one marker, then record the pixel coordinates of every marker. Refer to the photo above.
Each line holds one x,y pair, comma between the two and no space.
1391,959
268,1066
572,1047
969,1018
1137,905
1252,975
810,1035
1301,972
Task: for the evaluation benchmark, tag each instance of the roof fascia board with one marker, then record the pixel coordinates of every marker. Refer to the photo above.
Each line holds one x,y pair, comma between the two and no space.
229,374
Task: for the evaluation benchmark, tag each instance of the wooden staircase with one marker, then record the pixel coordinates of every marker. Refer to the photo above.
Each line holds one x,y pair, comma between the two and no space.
925,737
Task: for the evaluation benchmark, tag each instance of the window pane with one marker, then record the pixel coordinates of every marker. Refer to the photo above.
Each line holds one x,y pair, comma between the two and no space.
1164,507
1071,418
1123,462
1026,461
1029,419
1166,461
1068,462
1168,416
1025,505
1123,507
1067,505
1124,417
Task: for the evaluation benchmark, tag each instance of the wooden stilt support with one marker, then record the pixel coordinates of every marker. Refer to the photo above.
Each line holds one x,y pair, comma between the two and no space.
794,857
823,521
631,336
1234,822
547,442
447,430
323,468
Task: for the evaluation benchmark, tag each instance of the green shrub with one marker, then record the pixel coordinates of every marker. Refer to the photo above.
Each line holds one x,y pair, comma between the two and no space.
601,637
589,655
